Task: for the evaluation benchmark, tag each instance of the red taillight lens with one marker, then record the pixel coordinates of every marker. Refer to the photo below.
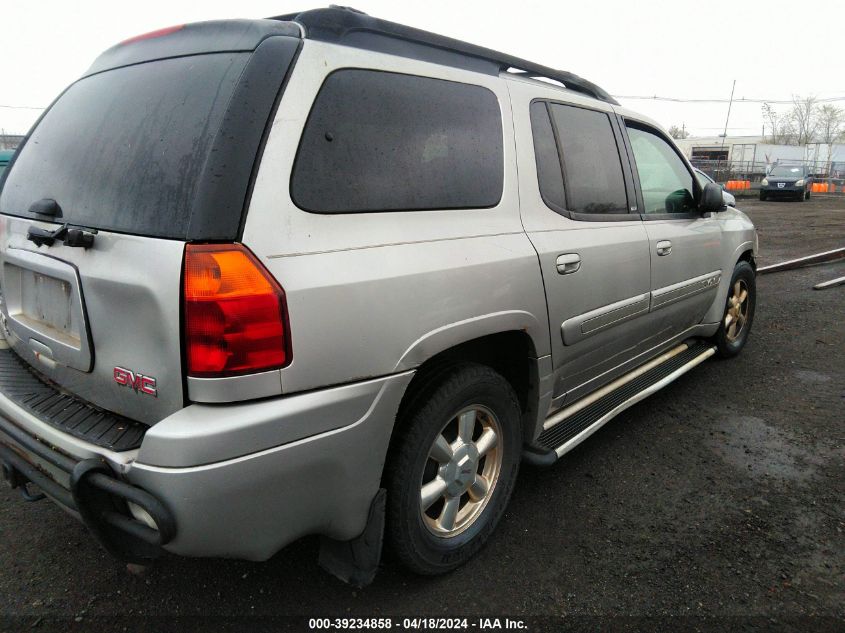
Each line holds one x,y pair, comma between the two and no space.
235,313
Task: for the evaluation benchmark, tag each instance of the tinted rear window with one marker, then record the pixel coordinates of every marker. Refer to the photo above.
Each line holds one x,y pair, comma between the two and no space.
591,160
379,141
123,150
549,174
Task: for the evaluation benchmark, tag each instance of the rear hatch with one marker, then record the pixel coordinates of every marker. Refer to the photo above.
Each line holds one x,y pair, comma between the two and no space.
154,147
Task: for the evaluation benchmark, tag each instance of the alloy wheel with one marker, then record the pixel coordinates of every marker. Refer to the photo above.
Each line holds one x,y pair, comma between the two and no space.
737,311
461,472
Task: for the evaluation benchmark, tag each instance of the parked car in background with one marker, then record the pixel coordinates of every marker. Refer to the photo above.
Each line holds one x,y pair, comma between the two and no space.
788,181
358,285
703,179
5,159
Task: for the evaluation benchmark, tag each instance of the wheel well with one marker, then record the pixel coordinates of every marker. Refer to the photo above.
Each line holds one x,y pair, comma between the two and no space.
748,256
510,353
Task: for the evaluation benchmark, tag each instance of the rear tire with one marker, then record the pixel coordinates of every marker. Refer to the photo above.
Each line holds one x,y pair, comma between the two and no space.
738,317
451,468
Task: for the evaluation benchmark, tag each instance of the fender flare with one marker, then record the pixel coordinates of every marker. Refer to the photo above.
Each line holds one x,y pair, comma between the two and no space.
716,309
452,334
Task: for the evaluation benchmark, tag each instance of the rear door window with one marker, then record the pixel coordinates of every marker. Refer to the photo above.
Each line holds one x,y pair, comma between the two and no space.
549,173
381,141
595,183
124,149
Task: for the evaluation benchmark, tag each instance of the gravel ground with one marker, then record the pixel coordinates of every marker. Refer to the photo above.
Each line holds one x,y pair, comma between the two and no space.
721,499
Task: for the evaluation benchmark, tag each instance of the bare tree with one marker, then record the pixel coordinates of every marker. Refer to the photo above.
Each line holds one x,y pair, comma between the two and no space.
780,127
804,119
678,132
831,123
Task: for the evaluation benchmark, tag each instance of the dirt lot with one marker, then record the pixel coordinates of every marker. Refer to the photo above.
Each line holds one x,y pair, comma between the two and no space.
721,498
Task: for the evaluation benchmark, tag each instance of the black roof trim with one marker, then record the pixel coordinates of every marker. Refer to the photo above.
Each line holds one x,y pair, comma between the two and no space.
196,38
350,27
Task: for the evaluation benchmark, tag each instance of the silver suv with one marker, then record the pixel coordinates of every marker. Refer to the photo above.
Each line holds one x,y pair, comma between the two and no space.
324,274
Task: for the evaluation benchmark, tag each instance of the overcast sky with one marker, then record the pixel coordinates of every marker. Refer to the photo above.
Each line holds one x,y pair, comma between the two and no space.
680,49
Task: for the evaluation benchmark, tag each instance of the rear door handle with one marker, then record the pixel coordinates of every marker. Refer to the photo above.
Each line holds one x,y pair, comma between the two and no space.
664,248
568,263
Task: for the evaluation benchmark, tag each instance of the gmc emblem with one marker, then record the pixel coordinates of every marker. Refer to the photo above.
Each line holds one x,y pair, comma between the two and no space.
139,382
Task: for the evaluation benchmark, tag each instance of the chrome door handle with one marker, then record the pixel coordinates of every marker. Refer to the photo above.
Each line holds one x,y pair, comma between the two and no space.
568,263
664,248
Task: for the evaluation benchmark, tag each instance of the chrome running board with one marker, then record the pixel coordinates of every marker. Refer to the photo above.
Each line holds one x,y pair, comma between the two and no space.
570,426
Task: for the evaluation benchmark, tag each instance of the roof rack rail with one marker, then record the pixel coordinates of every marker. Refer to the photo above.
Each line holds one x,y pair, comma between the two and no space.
350,27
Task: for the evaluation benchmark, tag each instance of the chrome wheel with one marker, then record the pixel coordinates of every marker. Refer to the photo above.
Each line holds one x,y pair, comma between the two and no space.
737,311
461,471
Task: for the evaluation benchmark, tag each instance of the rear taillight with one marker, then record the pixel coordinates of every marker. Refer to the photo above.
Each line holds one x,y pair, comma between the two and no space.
235,313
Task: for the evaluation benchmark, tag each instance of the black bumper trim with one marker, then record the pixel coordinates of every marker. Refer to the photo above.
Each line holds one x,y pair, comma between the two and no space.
95,494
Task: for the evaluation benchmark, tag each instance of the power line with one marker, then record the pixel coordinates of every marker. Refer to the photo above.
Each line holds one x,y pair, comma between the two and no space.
17,107
736,100
639,97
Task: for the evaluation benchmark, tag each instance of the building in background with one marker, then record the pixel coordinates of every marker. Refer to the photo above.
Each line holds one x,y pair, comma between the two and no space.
10,141
751,157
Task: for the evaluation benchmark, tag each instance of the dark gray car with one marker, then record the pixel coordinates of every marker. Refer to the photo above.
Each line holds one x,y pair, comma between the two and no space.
792,181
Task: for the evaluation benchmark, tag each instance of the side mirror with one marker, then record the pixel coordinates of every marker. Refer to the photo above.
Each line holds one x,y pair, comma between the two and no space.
711,198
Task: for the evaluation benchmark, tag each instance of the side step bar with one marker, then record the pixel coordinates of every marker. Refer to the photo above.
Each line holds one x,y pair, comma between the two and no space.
565,429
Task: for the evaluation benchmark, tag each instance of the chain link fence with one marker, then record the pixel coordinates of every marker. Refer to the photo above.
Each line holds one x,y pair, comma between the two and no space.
724,171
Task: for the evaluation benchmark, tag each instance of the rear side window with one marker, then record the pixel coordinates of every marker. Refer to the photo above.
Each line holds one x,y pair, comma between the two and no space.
592,167
124,149
380,141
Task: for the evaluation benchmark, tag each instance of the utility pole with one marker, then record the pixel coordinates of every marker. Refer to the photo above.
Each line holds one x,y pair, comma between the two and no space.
728,118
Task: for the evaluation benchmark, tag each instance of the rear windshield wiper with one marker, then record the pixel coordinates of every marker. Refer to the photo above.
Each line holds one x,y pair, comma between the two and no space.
70,236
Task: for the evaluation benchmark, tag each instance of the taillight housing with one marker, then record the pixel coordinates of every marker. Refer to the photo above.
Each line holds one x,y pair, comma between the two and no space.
235,314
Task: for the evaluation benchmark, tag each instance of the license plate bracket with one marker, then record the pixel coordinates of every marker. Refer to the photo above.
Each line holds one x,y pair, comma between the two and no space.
43,309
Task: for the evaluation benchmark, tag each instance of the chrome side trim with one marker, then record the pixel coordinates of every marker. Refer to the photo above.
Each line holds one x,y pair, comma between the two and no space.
580,327
663,297
583,435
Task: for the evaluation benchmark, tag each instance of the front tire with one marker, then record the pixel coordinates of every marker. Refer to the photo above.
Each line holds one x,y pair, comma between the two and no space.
733,331
452,468
762,197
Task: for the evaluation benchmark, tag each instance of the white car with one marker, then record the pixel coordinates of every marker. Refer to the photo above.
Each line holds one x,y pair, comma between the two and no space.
703,179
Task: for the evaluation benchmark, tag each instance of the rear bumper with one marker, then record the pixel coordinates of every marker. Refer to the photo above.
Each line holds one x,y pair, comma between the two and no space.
90,490
239,481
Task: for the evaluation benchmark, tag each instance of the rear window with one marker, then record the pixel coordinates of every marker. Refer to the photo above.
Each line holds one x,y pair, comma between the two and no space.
380,141
123,150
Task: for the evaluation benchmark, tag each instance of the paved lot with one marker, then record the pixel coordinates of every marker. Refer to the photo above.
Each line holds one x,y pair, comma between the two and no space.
722,495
